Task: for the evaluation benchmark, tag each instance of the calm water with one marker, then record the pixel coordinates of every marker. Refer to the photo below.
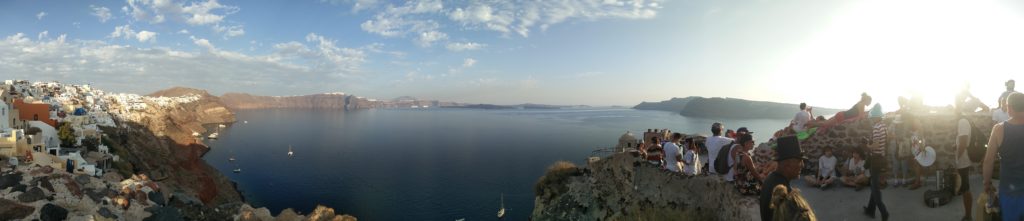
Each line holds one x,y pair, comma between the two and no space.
436,164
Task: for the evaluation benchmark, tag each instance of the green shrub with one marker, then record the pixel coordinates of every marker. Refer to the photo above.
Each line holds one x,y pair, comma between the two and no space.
555,179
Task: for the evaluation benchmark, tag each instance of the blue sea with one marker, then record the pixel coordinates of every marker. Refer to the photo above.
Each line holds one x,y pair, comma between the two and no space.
423,164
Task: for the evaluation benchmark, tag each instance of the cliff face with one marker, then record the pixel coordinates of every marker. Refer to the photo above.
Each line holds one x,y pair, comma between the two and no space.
621,187
241,101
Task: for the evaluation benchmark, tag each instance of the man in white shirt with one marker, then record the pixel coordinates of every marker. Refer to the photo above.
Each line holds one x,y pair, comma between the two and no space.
801,118
714,144
672,153
963,163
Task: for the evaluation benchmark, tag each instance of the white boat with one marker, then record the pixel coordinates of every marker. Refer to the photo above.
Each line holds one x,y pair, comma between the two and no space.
290,153
237,170
196,134
231,159
501,212
245,122
213,135
222,126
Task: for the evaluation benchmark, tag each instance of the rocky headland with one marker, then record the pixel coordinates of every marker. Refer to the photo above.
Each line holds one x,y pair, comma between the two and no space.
729,108
623,187
159,175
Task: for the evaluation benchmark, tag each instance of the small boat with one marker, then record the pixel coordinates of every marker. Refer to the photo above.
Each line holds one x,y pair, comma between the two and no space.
290,152
222,126
213,135
232,159
245,122
196,134
237,170
501,212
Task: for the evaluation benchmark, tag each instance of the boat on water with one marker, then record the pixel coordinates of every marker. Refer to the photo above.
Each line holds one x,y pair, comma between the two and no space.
196,134
231,159
237,170
245,122
501,212
213,135
290,152
221,126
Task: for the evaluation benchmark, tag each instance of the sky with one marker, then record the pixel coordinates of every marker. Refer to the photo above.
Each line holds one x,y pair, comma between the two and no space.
590,52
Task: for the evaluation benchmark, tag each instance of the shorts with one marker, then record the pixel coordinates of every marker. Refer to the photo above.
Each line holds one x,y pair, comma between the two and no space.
965,181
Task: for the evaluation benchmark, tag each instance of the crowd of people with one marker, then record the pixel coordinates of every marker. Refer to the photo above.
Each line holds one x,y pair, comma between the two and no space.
895,154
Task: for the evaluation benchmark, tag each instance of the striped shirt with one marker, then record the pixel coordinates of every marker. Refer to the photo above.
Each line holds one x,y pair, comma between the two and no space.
878,137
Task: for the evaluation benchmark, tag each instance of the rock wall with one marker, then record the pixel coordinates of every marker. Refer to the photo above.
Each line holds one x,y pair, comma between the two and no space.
621,187
241,101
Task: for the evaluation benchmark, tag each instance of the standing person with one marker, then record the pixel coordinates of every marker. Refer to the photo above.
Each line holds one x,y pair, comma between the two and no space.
748,181
673,153
690,158
791,160
1007,141
802,117
1009,90
876,161
715,144
1000,114
963,163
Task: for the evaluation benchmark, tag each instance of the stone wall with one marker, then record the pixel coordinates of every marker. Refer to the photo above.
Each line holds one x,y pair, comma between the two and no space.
621,187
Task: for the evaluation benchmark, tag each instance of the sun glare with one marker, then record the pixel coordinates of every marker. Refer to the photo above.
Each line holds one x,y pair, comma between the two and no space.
902,48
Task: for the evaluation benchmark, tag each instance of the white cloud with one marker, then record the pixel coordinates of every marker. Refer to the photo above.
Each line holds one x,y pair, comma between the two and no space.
124,67
40,15
183,31
146,36
126,32
103,13
464,46
426,39
469,62
229,31
209,12
43,35
395,21
506,17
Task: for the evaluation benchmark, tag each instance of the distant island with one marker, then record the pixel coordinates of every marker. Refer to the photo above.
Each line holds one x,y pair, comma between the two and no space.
731,108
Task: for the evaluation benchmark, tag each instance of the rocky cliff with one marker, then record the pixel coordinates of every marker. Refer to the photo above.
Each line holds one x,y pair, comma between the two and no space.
241,101
622,187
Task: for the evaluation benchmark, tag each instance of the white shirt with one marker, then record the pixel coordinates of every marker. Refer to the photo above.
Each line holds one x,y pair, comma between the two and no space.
998,115
691,164
714,144
800,120
671,151
856,168
826,166
963,129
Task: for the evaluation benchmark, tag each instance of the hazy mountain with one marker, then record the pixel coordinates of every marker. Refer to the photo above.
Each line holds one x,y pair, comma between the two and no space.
729,108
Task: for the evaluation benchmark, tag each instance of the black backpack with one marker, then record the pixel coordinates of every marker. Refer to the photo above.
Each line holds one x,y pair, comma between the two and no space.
976,146
722,160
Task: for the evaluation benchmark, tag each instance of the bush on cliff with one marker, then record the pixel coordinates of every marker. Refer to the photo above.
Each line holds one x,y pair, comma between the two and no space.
554,180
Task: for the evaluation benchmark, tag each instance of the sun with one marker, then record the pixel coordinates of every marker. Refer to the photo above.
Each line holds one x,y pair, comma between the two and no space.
902,48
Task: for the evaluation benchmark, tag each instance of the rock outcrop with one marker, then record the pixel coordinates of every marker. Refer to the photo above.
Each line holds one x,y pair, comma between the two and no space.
241,101
622,187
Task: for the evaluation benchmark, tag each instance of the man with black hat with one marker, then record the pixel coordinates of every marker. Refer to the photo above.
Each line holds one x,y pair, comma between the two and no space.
790,162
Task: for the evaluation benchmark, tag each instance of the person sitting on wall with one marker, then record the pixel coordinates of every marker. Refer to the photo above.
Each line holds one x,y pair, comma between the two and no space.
856,112
654,151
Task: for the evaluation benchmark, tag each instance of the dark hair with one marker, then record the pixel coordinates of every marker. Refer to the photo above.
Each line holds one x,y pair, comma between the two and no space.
677,136
803,106
716,129
655,139
743,138
1016,101
820,117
